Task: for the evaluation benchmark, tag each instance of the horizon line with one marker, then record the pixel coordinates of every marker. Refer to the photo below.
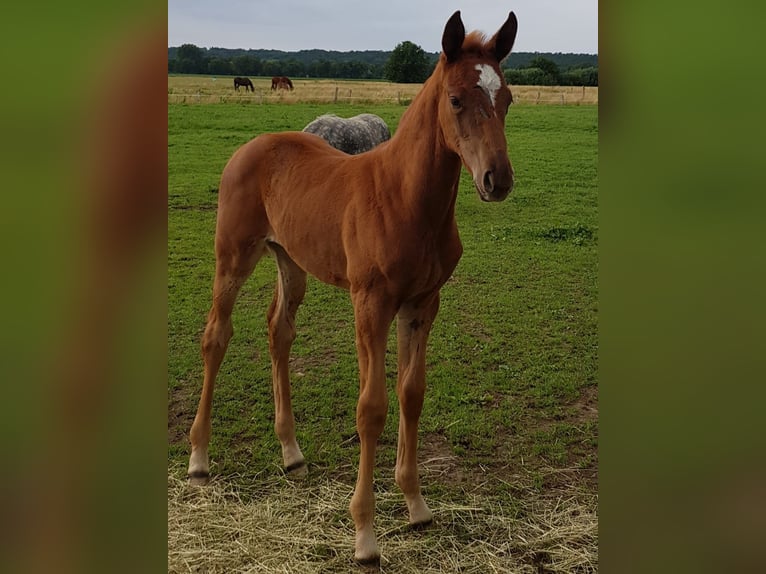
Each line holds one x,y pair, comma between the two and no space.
367,50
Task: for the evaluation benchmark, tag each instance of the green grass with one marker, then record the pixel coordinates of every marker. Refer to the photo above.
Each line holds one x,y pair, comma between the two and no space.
512,358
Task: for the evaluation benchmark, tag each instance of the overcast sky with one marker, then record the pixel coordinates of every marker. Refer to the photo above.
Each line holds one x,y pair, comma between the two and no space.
291,25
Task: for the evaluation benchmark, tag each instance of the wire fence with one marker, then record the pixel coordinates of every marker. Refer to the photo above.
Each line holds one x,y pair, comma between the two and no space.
535,95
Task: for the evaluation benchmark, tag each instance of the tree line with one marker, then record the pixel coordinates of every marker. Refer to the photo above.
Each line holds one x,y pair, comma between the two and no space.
407,63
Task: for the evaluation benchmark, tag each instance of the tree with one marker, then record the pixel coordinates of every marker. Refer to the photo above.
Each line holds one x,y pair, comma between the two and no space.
191,59
408,64
292,67
322,69
549,68
271,68
245,65
219,67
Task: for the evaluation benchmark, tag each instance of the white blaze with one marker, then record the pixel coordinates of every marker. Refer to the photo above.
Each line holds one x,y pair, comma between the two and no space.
489,81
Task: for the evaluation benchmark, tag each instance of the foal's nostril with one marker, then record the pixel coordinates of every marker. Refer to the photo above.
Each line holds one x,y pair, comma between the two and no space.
489,182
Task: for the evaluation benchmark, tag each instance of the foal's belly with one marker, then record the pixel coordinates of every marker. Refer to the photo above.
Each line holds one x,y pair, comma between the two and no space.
317,258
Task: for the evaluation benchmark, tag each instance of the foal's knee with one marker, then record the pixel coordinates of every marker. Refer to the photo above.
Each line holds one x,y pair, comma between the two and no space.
217,335
411,393
371,414
281,331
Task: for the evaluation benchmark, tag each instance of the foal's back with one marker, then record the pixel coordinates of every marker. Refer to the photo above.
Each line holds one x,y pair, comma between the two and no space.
320,204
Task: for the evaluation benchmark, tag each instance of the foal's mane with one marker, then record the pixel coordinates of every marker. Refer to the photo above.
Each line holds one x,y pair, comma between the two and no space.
475,44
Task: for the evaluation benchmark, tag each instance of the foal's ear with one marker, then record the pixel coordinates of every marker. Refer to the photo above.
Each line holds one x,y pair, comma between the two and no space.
452,40
502,42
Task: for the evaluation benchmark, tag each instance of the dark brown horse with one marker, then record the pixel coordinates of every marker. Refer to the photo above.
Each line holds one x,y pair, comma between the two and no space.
381,225
281,83
239,81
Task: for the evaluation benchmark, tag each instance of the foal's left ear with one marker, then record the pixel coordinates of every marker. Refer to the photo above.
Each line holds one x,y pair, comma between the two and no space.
502,42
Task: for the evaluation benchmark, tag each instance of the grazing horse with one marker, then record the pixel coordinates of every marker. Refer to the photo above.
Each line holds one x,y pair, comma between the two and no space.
238,81
281,82
351,135
379,224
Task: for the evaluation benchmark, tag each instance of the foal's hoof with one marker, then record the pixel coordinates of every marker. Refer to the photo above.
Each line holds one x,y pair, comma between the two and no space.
297,469
422,524
198,478
420,515
366,551
369,563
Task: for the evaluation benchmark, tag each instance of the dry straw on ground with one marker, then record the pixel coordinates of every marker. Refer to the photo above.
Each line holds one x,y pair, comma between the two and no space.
276,525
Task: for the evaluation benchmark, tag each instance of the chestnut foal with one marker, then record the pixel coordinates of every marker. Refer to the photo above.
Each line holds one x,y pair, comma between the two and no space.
380,225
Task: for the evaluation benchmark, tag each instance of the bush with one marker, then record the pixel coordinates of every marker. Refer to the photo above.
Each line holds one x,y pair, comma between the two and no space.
529,77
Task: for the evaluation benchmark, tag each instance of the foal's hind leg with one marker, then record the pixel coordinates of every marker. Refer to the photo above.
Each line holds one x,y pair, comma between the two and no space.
233,267
288,295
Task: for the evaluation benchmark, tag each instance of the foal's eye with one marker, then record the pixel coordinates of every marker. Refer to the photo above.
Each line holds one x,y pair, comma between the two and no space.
455,102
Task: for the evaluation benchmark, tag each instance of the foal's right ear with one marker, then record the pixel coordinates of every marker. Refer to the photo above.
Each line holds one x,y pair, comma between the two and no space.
452,40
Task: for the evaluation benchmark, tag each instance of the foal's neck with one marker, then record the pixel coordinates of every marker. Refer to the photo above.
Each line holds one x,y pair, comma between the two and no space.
430,169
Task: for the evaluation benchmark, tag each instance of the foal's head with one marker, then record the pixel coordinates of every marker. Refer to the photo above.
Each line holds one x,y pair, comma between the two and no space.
474,102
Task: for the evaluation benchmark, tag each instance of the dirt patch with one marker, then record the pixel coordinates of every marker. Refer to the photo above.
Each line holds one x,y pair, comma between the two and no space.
587,404
299,366
437,459
181,411
439,464
558,450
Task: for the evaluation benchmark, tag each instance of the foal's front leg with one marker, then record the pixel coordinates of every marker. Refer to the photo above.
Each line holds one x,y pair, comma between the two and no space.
414,324
373,316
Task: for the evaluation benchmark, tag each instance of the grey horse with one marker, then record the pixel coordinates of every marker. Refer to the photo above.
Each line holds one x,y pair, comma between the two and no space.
351,135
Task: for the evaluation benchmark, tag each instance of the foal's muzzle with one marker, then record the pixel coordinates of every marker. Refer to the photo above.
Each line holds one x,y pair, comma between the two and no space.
495,185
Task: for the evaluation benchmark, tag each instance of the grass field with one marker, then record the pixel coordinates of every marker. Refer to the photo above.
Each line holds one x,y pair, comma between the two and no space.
220,89
509,427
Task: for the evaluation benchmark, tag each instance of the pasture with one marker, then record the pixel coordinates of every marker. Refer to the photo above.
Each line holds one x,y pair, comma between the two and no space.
220,89
509,432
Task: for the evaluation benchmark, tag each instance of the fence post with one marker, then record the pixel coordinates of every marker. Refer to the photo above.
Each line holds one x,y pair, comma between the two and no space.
335,100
